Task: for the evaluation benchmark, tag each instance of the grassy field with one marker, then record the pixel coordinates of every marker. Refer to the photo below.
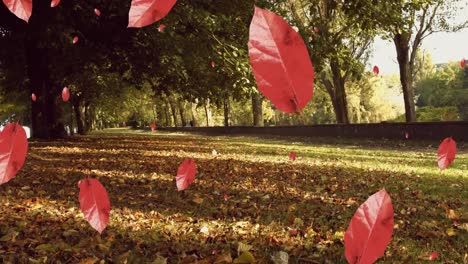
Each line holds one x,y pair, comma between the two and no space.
250,193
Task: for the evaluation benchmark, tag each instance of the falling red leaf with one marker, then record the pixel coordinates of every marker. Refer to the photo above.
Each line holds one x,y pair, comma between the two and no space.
153,126
407,135
65,94
94,203
370,229
316,30
446,153
21,8
433,255
161,28
185,174
33,97
292,156
54,3
75,39
463,63
226,197
13,149
146,12
124,124
376,70
213,64
280,62
97,12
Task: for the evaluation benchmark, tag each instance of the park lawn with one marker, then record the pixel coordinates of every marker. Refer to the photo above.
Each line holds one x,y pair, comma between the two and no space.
249,193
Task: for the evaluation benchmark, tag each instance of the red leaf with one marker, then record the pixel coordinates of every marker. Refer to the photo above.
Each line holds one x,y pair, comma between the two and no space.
370,229
153,126
21,8
65,94
446,153
33,97
376,70
280,62
213,64
94,203
161,28
185,174
124,124
407,135
146,12
75,40
13,149
292,156
433,255
316,30
54,3
463,63
97,12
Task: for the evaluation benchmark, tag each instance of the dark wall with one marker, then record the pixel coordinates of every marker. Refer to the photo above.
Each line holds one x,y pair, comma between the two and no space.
426,130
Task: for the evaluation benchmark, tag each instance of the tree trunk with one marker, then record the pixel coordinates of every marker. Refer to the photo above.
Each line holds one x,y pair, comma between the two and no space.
337,93
193,108
173,106
208,113
226,111
257,109
78,116
182,112
406,76
166,114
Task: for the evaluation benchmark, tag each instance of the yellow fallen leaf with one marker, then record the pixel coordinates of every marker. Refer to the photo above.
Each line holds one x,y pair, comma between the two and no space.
452,215
245,258
243,248
451,232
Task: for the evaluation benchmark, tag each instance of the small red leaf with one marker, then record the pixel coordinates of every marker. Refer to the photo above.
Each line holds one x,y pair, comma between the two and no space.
161,28
75,39
146,12
433,255
226,197
185,174
446,153
65,94
13,149
21,8
97,12
94,203
407,135
280,62
213,64
376,70
292,156
124,124
316,30
153,126
463,63
33,97
370,229
54,3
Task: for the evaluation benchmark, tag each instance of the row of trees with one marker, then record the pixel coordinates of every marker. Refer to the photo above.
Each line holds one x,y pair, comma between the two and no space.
118,74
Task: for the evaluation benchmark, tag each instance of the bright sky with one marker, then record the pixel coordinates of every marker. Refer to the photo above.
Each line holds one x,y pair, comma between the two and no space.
443,47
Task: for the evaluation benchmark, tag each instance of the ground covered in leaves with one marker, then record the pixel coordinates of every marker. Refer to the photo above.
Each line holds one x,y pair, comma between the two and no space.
248,195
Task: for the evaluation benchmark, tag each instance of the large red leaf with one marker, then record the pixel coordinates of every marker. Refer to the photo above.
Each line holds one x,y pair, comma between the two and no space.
65,94
280,62
13,149
370,229
185,174
446,153
94,203
146,12
21,8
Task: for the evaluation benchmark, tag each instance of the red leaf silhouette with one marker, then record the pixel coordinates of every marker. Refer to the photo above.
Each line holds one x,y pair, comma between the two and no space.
54,3
185,174
370,229
33,97
292,156
97,12
21,8
433,255
13,149
280,62
376,70
65,94
146,12
75,39
161,28
446,153
463,63
94,203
